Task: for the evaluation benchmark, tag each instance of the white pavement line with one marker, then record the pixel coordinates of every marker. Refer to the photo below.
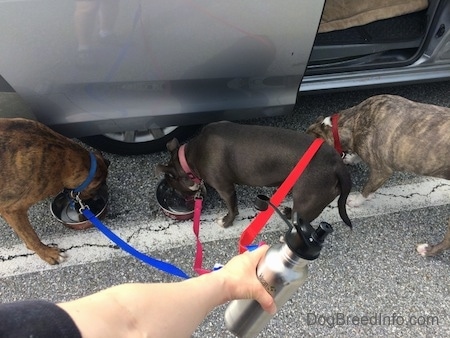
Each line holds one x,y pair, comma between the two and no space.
90,246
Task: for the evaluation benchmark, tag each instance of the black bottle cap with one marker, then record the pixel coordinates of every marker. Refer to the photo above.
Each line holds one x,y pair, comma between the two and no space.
307,242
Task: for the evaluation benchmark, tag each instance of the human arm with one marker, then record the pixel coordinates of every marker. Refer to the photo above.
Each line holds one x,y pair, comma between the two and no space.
168,309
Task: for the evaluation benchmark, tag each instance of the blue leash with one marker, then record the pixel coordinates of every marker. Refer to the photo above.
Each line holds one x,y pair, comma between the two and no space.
74,195
163,266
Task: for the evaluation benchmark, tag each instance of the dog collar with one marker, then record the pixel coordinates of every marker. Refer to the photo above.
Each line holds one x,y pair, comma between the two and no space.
334,129
91,175
185,165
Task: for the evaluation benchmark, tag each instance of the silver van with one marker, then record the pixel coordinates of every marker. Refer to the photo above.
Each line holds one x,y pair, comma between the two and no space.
125,76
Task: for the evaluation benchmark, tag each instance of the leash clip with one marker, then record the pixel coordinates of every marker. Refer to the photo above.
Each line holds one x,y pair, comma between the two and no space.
76,197
198,195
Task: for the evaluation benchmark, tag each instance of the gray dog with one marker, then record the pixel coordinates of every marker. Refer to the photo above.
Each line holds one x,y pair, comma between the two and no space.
226,153
390,133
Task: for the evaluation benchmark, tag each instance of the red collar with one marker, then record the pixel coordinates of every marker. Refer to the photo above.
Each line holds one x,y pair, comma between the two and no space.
185,165
334,129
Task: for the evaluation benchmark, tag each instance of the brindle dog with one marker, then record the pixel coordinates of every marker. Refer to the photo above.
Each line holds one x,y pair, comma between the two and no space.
37,163
391,133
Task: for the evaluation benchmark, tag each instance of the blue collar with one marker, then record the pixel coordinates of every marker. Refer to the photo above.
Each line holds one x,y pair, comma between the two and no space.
91,175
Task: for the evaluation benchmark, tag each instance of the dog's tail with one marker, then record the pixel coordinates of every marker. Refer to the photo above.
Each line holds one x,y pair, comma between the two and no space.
345,182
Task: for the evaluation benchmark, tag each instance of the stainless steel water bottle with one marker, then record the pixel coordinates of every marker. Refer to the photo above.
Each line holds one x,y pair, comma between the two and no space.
282,271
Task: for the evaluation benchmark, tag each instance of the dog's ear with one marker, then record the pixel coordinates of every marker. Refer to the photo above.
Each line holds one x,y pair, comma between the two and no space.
314,125
319,128
100,156
164,169
326,122
319,119
172,145
107,162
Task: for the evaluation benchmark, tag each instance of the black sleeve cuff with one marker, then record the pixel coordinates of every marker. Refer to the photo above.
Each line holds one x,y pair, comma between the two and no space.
36,318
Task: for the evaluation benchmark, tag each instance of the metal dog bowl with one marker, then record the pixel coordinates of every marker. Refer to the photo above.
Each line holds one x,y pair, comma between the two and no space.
173,203
67,212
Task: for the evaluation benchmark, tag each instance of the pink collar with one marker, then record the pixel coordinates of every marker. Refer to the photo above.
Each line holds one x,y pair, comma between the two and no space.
185,165
334,129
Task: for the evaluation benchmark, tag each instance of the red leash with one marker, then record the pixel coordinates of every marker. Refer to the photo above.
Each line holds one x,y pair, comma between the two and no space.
198,201
261,219
249,234
196,227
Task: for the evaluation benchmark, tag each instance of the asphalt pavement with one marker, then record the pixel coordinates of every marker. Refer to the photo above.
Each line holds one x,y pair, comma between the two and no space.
367,282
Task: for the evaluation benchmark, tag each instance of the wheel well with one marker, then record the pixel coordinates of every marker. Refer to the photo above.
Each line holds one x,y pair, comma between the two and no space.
104,143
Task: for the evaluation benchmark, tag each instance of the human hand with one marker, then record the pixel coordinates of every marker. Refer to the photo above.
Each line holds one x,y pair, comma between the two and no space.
240,279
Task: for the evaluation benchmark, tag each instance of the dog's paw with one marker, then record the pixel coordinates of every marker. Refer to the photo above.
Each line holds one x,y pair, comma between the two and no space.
62,257
426,250
224,222
355,201
52,255
422,249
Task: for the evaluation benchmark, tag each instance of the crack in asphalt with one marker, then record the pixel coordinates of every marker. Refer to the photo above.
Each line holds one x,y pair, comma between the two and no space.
90,245
12,257
411,195
165,225
147,228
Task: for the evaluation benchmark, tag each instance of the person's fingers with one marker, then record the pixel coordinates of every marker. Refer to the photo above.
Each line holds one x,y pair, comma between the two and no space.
241,281
259,252
262,296
266,301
